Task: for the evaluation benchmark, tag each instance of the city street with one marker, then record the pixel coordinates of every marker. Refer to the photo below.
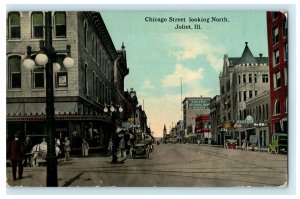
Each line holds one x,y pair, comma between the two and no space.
170,165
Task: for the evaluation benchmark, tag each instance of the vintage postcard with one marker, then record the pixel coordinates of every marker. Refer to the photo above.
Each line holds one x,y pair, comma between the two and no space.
147,98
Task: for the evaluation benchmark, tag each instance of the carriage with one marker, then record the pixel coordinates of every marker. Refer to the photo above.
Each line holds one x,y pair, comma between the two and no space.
39,152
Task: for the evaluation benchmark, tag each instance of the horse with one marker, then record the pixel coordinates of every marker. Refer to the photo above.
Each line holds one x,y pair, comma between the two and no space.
39,153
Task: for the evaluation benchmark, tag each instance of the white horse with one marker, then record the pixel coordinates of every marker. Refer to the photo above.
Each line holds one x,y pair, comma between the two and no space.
39,153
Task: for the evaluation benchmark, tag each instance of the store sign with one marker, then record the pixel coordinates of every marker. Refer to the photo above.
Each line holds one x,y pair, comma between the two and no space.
132,120
198,104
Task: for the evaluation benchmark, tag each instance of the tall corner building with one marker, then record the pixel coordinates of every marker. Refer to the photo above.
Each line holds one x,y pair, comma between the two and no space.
80,93
277,27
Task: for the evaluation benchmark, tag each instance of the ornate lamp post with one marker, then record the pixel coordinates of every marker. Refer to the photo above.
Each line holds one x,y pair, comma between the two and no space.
113,111
47,56
133,95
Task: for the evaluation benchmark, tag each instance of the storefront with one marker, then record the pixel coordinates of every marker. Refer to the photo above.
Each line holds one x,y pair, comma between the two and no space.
95,129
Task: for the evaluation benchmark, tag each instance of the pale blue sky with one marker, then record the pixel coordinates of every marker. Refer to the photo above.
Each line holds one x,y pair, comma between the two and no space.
158,55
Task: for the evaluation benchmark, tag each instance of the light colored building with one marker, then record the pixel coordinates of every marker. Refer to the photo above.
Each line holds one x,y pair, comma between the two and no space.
242,79
180,131
215,119
259,108
193,106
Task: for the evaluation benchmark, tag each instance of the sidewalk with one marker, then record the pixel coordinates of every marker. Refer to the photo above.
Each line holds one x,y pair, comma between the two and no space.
36,176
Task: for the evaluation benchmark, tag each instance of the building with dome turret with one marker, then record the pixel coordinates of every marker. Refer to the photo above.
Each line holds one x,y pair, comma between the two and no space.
242,79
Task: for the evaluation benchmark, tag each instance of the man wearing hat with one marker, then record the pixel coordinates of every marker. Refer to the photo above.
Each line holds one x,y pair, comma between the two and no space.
15,152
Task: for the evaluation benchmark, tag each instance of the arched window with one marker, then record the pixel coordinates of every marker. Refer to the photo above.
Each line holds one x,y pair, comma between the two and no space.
60,25
85,34
37,21
14,28
93,46
96,51
259,114
85,78
14,72
276,107
286,104
263,112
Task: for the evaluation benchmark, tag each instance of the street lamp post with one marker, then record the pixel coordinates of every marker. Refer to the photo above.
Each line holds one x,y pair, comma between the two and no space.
113,111
47,56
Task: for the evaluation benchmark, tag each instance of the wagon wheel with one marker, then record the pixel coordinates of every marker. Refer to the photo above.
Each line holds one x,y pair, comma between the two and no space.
277,150
269,149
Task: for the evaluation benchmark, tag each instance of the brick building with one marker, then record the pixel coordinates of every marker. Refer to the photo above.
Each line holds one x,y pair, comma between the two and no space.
277,28
80,92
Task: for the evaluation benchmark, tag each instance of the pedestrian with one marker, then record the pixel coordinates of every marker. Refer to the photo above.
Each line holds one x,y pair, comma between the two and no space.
122,146
57,147
110,145
85,147
15,152
67,149
27,151
244,145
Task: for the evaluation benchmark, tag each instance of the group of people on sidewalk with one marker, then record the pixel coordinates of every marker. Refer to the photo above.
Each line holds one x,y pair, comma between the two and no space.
23,153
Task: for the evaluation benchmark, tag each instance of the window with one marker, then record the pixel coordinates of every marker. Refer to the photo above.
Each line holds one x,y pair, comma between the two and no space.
85,79
60,24
286,104
93,46
277,107
276,57
255,78
38,78
244,78
96,51
85,34
275,35
102,93
14,28
265,78
14,70
240,96
239,79
285,28
250,78
61,79
94,85
285,51
274,15
99,56
285,76
97,88
277,80
37,25
250,94
255,93
245,95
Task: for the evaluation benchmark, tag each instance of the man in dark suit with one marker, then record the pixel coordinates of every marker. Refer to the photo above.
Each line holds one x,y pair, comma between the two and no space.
15,152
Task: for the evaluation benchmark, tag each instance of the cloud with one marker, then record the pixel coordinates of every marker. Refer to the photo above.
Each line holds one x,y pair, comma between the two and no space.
166,109
147,84
193,45
189,76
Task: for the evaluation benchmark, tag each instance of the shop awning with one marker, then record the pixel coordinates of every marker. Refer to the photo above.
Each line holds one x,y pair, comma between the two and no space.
42,117
243,129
